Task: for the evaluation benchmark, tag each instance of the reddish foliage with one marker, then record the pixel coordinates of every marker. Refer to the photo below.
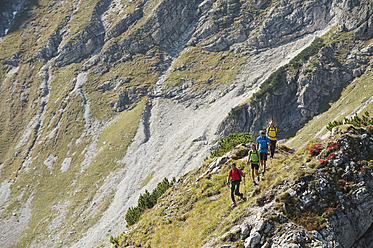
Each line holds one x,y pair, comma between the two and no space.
332,145
325,160
315,149
322,161
284,148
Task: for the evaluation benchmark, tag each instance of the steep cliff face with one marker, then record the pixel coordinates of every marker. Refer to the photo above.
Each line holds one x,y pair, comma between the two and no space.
306,86
102,98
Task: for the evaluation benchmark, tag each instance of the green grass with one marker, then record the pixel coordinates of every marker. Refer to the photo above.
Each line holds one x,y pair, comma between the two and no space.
147,179
204,69
82,17
141,73
52,190
117,136
73,190
26,40
203,210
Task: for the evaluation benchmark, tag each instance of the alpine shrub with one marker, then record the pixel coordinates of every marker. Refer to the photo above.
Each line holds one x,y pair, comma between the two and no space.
315,149
147,201
365,120
227,144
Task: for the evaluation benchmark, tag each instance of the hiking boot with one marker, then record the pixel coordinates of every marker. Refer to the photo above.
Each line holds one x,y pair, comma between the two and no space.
244,198
254,183
263,172
258,179
234,204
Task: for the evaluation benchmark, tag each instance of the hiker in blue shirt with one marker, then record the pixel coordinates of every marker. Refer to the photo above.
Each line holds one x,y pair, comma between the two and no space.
262,143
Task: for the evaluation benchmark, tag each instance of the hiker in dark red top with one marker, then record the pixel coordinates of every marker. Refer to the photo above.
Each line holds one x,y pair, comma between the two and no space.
236,175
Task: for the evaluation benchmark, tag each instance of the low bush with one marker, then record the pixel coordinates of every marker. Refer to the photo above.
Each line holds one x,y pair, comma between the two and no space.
147,201
315,149
227,144
365,120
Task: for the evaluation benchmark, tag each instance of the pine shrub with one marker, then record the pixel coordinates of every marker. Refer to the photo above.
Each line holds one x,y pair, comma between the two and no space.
147,201
227,144
357,121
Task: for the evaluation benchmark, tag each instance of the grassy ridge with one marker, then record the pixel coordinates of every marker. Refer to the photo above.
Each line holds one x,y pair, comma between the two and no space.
203,210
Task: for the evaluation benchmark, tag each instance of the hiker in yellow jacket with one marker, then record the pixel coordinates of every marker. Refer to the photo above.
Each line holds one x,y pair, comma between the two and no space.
272,135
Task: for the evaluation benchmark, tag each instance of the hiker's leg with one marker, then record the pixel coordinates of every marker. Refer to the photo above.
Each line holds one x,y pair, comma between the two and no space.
263,157
261,160
273,147
252,174
238,190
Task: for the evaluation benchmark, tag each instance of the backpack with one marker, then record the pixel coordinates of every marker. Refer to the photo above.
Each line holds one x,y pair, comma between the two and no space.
251,157
237,171
270,130
264,138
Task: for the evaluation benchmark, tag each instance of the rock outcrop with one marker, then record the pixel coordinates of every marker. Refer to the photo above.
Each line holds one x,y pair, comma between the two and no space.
298,92
339,193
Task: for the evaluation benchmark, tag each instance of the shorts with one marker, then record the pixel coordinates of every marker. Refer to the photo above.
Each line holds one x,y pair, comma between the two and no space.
254,166
263,156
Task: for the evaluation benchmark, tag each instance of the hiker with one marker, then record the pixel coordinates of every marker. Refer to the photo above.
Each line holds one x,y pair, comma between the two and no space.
272,135
236,175
254,159
262,145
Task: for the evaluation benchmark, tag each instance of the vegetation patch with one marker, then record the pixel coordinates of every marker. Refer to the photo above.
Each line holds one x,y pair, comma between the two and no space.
227,144
147,201
357,121
204,69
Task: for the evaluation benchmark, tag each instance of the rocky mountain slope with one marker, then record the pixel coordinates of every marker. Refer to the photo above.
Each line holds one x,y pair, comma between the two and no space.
102,99
318,197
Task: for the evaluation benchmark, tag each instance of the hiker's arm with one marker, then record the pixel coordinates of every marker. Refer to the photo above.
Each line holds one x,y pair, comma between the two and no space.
248,159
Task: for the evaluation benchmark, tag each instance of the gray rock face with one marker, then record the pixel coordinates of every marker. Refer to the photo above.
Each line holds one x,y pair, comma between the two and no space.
8,12
87,42
299,96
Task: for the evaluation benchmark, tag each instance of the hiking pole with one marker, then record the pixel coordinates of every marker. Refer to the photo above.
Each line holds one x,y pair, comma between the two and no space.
244,182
